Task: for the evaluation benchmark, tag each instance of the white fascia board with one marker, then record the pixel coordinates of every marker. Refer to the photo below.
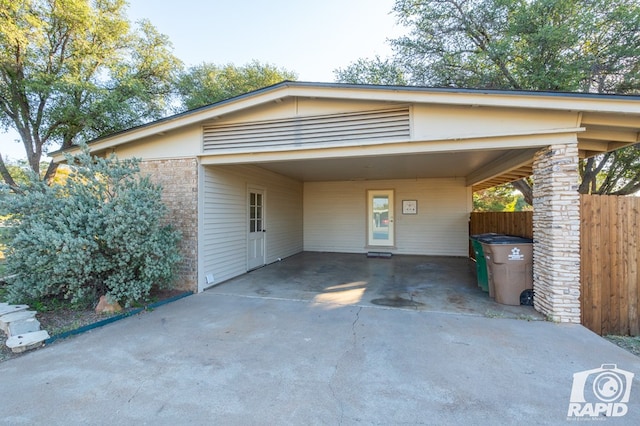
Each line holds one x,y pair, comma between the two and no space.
527,100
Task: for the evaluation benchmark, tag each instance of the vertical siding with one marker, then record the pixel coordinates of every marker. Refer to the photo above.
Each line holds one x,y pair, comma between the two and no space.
335,216
224,218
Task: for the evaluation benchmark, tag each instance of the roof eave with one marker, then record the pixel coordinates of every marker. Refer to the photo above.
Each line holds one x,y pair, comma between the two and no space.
579,102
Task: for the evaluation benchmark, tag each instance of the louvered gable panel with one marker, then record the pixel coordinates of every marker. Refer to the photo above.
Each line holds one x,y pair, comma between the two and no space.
385,124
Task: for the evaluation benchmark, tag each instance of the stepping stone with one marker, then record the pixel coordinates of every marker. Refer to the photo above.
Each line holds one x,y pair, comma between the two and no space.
8,309
27,341
15,316
24,326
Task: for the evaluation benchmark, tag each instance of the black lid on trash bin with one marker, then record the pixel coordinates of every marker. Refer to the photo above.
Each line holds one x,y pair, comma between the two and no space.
478,236
509,239
487,238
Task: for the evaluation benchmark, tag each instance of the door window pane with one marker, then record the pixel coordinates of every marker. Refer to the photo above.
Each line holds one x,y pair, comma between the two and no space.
255,212
380,219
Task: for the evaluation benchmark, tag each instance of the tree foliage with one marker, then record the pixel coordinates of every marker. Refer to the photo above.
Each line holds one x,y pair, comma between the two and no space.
207,83
100,232
614,173
375,71
555,45
501,198
72,70
549,45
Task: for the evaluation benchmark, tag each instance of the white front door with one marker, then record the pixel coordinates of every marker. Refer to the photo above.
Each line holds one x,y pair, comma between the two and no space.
255,258
380,218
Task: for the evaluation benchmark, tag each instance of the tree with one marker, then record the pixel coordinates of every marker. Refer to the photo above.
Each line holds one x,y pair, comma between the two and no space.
501,198
72,70
549,45
622,175
100,232
554,45
376,71
207,83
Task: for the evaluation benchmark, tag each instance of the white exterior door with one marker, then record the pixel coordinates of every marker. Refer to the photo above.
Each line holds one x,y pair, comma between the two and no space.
380,216
256,231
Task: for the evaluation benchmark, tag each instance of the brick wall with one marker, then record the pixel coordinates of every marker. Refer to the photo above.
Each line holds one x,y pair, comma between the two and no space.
179,180
556,232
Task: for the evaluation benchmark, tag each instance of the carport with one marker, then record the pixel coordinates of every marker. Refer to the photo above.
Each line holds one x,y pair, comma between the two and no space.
441,284
314,167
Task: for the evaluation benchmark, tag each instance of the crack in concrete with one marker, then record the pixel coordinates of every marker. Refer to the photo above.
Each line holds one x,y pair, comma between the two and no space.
353,325
337,365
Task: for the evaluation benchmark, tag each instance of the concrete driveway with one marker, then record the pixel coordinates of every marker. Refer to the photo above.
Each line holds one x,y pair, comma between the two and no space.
222,358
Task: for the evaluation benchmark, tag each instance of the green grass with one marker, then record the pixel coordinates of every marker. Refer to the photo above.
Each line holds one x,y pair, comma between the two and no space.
630,343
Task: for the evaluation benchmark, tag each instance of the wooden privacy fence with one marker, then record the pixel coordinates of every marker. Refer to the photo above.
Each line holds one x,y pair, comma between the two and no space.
509,223
610,279
609,252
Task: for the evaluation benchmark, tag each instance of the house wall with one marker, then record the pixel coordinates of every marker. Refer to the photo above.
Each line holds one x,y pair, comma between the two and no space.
301,107
179,180
434,122
300,125
224,221
184,142
335,216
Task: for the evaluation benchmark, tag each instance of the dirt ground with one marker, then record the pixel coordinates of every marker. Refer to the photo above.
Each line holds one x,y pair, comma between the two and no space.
64,320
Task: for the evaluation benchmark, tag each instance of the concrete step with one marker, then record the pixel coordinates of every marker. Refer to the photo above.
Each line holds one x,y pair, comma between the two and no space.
27,341
6,319
24,326
8,309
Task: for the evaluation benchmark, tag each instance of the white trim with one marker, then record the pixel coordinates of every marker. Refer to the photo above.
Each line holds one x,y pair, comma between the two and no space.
390,194
200,231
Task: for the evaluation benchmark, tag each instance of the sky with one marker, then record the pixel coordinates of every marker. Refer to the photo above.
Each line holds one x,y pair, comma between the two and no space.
311,38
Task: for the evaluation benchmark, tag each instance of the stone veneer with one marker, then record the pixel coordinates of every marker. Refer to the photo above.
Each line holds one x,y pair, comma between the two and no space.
179,180
556,233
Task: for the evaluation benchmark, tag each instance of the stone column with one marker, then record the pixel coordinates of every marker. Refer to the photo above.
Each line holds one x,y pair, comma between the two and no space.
556,232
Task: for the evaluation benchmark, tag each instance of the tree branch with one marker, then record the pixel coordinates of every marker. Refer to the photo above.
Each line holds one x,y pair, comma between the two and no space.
8,179
525,189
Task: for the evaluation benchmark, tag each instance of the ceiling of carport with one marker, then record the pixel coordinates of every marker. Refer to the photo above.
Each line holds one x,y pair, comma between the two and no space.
431,165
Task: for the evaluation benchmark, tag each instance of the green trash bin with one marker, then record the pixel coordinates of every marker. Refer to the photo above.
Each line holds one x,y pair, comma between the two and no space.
482,273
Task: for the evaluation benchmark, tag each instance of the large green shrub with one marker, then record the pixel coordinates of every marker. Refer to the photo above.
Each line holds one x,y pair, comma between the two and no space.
99,232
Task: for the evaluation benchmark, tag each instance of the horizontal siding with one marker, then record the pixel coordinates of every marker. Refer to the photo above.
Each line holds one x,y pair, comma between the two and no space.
325,130
335,216
224,218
